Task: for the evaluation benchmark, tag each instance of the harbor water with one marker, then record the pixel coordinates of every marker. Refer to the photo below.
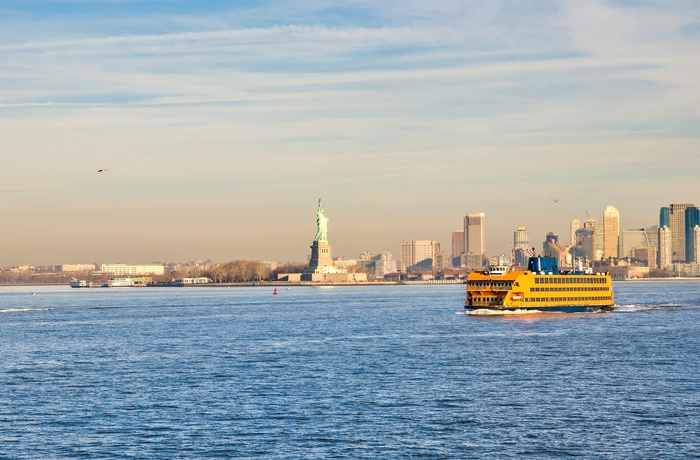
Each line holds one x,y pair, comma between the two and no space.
344,372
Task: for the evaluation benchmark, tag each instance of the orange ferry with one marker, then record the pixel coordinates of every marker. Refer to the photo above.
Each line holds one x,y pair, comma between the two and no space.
540,288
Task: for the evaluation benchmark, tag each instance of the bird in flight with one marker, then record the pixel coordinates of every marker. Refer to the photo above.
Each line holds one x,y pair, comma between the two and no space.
556,201
102,170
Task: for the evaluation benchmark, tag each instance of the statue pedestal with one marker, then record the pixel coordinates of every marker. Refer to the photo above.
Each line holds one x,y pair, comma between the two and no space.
320,258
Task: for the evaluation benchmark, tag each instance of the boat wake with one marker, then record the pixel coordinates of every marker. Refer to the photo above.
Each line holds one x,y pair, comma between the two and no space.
16,310
633,308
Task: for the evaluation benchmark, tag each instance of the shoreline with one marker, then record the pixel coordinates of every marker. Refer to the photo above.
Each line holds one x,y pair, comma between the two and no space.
680,278
274,284
256,284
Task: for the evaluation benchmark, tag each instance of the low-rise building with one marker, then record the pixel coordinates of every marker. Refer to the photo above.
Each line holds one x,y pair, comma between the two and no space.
132,270
77,267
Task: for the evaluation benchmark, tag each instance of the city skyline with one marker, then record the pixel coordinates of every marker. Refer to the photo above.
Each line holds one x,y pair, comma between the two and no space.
534,241
220,125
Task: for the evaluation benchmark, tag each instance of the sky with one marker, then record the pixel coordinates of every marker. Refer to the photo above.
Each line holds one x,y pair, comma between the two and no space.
221,123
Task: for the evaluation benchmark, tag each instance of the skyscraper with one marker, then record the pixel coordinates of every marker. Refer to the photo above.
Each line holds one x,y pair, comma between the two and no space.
676,222
637,238
474,234
665,248
597,238
663,216
575,225
520,238
457,243
696,249
419,252
585,243
521,254
611,231
692,219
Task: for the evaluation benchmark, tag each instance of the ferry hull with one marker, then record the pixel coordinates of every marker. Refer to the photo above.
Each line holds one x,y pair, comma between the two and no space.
549,309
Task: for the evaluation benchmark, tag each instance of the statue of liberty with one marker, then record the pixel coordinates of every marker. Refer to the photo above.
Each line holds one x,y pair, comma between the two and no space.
321,224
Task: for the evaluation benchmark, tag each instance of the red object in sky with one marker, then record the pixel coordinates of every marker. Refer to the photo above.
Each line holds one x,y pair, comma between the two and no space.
102,170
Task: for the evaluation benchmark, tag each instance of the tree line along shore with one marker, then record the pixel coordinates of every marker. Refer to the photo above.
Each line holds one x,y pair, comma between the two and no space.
236,272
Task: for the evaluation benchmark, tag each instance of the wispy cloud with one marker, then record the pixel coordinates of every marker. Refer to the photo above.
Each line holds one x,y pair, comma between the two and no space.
392,96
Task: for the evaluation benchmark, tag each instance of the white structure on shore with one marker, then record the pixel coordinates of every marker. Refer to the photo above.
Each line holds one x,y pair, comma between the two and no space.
77,267
132,270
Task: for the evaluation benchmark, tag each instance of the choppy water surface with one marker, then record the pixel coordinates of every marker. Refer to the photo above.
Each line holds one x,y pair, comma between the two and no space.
356,372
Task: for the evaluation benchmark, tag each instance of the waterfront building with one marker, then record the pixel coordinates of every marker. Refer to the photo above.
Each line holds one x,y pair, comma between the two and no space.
197,280
132,270
696,248
271,265
553,248
474,242
521,257
77,267
501,260
665,248
676,222
384,264
521,251
585,242
692,219
687,270
457,243
597,238
647,254
638,237
611,232
472,261
442,262
342,262
520,238
367,255
575,225
417,254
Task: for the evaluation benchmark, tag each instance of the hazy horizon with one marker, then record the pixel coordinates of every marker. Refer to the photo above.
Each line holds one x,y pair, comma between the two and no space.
222,124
